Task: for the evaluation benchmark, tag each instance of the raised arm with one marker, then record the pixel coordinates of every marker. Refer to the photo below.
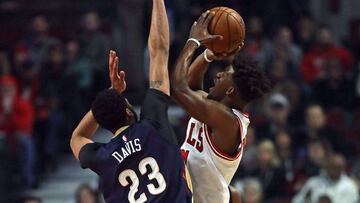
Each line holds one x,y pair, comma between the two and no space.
159,44
216,115
196,72
87,127
83,134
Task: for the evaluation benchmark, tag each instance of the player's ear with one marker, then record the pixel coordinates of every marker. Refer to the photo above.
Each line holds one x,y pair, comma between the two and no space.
129,114
230,91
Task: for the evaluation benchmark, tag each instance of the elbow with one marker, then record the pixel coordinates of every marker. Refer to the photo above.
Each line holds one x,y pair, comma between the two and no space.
72,141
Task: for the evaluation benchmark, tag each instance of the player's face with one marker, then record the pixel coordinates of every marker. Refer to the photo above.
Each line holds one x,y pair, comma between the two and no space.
223,84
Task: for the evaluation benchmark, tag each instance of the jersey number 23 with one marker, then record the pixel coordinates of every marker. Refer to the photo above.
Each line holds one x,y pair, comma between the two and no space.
154,174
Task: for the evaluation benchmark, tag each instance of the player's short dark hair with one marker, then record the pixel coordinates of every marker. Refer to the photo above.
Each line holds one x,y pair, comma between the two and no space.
109,109
250,81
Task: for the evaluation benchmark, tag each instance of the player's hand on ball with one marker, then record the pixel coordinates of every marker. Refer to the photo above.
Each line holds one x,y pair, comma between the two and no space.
117,78
199,30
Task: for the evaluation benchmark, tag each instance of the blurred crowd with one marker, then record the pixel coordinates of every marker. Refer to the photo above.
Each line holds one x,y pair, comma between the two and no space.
83,194
302,144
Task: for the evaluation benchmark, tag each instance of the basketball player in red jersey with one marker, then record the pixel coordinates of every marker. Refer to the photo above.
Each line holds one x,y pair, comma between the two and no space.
216,132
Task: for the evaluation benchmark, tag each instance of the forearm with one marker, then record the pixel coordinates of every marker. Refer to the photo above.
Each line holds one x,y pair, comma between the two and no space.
159,36
180,74
196,73
83,133
159,44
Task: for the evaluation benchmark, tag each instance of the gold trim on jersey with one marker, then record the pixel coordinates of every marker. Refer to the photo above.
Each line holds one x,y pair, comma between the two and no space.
120,130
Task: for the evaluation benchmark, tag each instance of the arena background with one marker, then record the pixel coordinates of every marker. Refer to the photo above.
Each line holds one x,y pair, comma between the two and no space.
54,53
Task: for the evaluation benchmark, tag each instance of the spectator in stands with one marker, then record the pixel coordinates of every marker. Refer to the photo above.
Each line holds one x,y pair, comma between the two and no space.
277,114
316,128
334,89
256,45
79,76
287,157
248,160
49,103
269,170
313,64
356,85
86,194
31,199
353,41
94,44
24,68
315,156
277,70
334,183
283,57
40,41
251,190
305,33
297,101
355,173
5,68
16,122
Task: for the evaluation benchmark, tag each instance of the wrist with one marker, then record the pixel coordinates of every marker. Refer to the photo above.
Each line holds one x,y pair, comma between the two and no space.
194,41
207,58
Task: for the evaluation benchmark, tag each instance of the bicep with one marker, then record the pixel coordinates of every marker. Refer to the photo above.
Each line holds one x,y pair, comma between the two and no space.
202,109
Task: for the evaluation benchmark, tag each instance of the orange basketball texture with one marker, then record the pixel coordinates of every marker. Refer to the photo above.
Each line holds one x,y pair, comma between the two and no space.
229,24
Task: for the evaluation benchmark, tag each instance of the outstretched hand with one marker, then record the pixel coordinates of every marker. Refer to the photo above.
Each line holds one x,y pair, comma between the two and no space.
117,78
199,30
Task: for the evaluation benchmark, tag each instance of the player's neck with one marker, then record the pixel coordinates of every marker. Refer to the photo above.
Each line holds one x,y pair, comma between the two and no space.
120,130
234,104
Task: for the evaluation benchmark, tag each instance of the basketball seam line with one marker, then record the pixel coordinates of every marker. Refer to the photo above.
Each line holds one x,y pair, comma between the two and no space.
239,23
229,32
236,19
222,12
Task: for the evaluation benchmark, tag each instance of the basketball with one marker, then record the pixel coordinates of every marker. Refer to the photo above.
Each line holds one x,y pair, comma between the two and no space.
229,24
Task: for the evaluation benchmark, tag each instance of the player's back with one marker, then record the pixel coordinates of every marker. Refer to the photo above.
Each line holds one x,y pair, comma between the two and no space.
138,165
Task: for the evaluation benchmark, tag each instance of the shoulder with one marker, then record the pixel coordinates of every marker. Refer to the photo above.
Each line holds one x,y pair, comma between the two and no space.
243,119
